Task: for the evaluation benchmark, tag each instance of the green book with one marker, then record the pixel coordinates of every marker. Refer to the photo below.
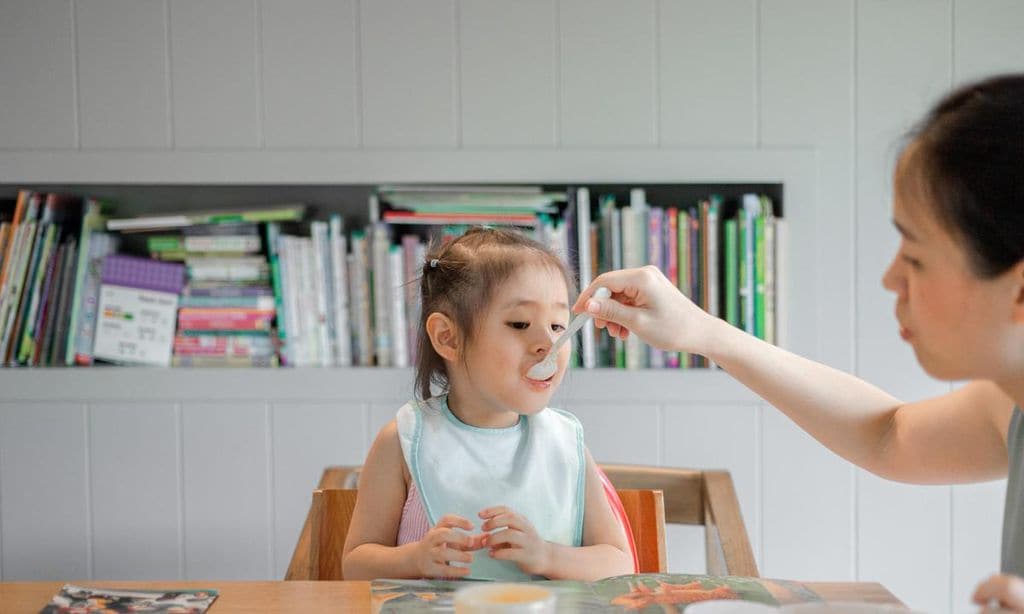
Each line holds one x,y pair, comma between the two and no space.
732,308
683,281
165,243
742,270
92,221
759,261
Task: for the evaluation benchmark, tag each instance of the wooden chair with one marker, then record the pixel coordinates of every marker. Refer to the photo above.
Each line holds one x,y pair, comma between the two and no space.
332,511
694,497
689,497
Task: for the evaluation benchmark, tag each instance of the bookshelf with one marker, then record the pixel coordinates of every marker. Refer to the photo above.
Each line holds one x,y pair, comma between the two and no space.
203,441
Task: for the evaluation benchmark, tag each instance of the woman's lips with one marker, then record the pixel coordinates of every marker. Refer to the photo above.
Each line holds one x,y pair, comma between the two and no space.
905,333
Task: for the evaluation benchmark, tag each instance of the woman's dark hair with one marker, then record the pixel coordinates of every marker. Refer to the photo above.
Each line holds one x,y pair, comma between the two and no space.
460,278
968,154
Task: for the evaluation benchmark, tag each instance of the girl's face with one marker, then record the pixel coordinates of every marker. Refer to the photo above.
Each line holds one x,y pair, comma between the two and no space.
527,313
960,326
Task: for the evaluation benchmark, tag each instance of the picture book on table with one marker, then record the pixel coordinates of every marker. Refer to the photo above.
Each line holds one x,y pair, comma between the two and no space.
80,600
644,594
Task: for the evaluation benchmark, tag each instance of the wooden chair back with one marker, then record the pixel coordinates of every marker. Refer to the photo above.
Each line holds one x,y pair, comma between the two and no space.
689,497
694,497
332,509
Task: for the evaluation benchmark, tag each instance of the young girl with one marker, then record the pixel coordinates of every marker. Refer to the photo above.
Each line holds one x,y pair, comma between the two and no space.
958,277
487,450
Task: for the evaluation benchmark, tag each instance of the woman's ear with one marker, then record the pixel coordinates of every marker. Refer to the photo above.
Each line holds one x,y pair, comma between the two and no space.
444,336
1017,276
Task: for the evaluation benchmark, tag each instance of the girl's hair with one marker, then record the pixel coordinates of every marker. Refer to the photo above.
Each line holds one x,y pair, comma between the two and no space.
460,278
968,155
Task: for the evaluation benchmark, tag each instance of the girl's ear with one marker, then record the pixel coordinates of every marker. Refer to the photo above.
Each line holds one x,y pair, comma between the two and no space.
444,336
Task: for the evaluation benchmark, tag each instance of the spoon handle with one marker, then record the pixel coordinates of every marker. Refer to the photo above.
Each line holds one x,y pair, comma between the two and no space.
577,322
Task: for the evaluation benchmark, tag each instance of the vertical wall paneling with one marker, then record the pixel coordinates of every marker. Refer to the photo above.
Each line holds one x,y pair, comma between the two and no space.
903,65
122,74
37,70
902,69
306,439
806,96
608,75
702,102
227,533
507,71
693,437
904,537
977,534
620,432
216,98
310,55
134,490
408,73
44,491
987,38
807,504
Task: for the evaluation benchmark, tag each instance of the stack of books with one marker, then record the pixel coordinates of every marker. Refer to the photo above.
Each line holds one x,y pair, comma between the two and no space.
227,308
51,253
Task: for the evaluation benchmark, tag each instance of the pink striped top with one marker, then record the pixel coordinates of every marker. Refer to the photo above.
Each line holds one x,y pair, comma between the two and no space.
414,524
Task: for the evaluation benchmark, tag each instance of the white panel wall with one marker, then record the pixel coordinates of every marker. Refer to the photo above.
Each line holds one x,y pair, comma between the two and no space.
607,72
123,84
215,90
37,59
310,79
516,105
217,489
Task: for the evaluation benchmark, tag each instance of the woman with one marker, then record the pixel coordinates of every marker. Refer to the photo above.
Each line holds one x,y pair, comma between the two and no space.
959,283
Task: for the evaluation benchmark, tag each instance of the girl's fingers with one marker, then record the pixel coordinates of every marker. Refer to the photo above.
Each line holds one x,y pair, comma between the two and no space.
451,521
445,555
506,538
507,519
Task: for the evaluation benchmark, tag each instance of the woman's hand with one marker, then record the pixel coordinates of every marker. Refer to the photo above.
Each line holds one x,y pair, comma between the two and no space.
644,302
1005,590
517,541
443,546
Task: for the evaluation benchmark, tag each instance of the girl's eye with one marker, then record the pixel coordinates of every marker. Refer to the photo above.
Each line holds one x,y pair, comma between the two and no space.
519,325
557,328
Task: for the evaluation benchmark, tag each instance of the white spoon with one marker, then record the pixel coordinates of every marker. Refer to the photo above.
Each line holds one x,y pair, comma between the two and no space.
547,367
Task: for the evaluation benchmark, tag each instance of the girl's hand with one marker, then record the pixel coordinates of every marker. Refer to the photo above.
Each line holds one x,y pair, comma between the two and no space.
518,541
1003,589
443,546
647,304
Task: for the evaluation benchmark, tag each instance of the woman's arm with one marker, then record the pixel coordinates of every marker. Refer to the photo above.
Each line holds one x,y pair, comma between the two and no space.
605,551
956,437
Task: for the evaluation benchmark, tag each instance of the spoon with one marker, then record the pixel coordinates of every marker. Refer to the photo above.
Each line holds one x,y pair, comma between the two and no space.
547,367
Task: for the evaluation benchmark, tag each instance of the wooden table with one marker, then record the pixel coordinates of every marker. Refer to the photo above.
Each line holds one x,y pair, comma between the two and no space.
299,596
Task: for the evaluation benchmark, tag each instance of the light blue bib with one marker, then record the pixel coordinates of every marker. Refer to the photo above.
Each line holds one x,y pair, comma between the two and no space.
535,467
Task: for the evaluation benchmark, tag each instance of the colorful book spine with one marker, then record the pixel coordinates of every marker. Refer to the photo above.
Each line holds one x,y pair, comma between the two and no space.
731,272
399,334
671,231
322,293
340,309
588,352
683,281
224,319
655,216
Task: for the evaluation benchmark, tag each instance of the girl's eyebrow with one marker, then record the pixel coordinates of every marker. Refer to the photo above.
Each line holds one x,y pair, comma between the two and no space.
522,302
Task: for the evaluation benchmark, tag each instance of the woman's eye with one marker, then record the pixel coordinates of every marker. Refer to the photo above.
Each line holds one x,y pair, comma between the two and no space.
519,325
914,262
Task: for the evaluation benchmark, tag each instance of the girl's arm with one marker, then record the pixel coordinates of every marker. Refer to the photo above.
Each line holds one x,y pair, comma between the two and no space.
370,546
956,437
605,551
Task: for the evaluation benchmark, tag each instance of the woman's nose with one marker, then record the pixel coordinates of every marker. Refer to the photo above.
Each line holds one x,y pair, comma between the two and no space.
892,279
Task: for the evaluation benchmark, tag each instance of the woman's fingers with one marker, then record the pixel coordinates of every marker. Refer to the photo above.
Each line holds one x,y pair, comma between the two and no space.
1003,589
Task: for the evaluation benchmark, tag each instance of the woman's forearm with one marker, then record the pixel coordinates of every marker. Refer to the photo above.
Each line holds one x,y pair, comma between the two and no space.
848,415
